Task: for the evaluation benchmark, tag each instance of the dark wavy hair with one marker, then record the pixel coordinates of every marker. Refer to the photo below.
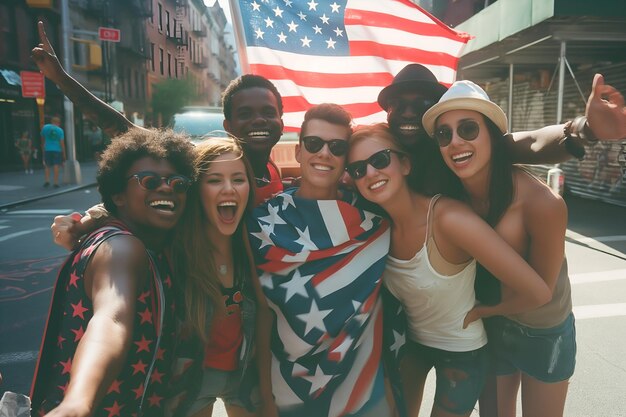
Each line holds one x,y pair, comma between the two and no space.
133,145
192,249
245,82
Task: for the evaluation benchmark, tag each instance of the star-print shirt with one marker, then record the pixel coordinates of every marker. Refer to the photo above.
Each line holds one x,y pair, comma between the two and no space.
69,316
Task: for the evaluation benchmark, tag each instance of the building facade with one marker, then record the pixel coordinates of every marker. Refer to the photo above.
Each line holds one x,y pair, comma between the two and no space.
537,59
18,35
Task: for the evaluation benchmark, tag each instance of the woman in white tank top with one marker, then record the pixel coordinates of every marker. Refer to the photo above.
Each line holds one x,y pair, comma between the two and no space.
431,270
532,347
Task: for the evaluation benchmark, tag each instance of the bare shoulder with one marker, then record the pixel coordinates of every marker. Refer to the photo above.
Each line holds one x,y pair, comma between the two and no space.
451,212
124,254
538,200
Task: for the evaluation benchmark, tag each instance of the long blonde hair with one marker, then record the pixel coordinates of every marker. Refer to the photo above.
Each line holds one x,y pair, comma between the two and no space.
192,249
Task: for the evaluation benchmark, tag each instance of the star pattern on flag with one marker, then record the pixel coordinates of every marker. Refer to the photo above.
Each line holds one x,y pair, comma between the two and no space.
272,219
318,381
314,319
399,339
278,25
295,285
305,239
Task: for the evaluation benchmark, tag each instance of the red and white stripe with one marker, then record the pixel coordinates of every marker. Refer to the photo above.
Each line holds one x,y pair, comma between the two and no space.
385,36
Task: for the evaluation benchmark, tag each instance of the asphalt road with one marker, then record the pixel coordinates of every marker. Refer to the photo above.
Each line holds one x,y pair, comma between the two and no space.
596,250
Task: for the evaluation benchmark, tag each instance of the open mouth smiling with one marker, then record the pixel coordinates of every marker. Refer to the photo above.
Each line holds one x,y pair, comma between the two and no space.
163,205
377,185
227,210
461,157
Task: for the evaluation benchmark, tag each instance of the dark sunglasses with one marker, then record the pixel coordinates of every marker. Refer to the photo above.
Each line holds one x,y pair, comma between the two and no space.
379,160
314,144
467,130
418,104
149,180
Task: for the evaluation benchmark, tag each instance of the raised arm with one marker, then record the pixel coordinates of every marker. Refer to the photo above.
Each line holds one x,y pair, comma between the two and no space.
606,120
112,280
460,226
96,110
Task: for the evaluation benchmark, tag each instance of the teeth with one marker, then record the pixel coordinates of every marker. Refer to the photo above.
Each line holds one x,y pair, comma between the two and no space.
259,133
378,184
409,127
227,204
460,156
167,203
322,167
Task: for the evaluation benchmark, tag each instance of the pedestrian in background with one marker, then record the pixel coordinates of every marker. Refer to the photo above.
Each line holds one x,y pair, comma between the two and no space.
25,147
96,140
53,148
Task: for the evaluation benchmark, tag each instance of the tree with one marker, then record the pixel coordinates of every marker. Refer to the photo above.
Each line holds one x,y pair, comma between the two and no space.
170,95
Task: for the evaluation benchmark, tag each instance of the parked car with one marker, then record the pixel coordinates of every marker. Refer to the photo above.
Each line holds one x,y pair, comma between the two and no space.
200,122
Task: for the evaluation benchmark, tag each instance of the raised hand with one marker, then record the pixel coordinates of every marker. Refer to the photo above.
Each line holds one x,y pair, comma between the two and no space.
606,112
45,58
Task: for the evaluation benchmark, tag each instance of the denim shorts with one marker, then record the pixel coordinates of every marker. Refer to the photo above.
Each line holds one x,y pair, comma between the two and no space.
460,375
224,385
548,355
52,158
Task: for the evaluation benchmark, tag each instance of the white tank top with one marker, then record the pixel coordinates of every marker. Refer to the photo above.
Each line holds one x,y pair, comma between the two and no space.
435,304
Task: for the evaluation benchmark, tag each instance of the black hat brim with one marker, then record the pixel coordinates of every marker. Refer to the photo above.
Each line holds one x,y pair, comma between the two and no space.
426,88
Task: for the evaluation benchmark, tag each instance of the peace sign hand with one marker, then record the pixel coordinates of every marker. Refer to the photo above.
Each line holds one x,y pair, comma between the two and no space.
45,58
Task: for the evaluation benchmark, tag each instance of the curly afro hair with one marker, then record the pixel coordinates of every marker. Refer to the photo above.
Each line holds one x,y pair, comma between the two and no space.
245,82
135,144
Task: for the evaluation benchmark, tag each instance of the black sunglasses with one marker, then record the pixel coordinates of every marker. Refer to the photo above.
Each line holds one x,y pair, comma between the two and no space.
467,130
149,180
379,160
314,144
418,104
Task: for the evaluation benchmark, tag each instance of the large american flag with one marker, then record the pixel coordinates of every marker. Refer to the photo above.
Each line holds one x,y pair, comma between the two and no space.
340,51
320,265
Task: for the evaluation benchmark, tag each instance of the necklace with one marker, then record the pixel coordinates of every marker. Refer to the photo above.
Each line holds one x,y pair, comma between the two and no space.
223,269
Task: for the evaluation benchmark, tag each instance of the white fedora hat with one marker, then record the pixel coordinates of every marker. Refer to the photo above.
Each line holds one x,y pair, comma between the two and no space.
465,95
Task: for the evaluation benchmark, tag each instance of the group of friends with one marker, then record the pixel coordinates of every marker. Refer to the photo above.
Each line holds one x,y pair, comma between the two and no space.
204,276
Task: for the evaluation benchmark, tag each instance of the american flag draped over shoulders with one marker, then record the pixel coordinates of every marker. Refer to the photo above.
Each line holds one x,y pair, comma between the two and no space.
320,265
340,51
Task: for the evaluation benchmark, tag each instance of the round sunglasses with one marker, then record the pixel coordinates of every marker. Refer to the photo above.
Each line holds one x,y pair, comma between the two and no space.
150,181
467,130
314,144
379,160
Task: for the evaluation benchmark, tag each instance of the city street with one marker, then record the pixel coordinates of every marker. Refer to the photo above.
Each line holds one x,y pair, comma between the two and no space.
596,249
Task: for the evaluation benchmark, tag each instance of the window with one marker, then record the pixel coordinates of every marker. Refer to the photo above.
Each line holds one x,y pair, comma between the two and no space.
152,56
169,65
129,86
151,12
137,84
161,61
176,67
8,35
167,24
160,17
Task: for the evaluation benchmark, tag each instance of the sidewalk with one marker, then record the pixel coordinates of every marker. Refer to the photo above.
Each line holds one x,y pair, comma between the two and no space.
18,188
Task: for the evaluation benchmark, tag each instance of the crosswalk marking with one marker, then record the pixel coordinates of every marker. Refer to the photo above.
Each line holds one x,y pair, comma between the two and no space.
22,233
599,276
50,212
599,310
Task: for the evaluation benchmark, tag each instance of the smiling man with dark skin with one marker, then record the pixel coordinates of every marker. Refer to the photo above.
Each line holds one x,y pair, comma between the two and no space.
252,107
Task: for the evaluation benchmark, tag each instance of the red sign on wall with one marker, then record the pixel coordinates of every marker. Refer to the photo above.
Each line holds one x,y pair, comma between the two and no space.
32,84
109,34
